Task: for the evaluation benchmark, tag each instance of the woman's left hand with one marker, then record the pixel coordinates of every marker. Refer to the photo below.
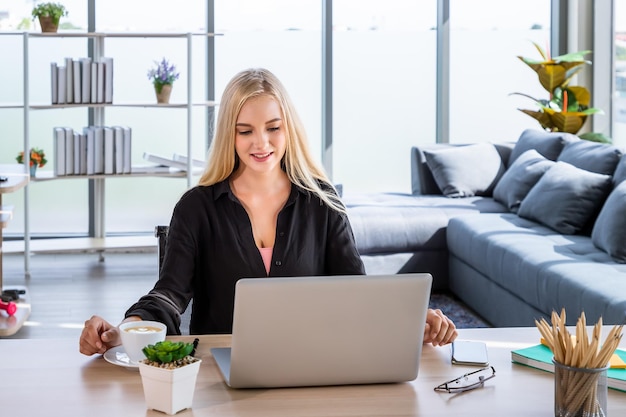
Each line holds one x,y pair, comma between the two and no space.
439,330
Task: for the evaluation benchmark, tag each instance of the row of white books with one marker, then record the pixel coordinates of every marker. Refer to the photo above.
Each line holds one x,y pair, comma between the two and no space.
95,150
81,81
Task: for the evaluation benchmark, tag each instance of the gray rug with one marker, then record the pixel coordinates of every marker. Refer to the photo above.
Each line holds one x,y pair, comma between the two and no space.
462,316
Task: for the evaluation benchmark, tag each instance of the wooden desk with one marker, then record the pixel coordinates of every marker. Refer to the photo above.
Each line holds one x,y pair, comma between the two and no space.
50,376
17,179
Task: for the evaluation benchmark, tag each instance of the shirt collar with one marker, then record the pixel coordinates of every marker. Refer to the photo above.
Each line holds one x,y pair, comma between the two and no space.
223,188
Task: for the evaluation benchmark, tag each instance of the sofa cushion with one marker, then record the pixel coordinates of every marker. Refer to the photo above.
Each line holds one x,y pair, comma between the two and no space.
521,176
386,223
546,269
591,156
620,172
609,231
565,198
549,144
465,171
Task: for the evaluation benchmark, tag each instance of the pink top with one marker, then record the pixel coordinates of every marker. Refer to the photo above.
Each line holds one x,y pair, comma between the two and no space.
266,254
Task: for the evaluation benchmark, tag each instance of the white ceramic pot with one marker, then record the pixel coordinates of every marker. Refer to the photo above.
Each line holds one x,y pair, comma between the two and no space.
169,390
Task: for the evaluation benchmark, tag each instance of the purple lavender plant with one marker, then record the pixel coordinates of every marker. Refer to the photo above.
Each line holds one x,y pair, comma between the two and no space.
164,73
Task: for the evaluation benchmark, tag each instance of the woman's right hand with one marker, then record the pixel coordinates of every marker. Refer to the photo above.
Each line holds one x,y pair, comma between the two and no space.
98,336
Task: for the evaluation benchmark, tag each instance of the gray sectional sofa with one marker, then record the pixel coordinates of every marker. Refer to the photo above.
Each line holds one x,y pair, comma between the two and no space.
515,230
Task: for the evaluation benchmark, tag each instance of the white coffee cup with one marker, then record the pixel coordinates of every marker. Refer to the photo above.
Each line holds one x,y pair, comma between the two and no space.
138,334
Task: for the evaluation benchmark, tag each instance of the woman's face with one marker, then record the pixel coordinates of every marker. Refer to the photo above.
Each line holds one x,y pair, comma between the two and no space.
260,140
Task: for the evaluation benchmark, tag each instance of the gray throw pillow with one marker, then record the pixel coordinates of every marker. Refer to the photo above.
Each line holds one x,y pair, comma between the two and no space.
521,176
549,144
620,172
591,156
465,171
565,198
609,231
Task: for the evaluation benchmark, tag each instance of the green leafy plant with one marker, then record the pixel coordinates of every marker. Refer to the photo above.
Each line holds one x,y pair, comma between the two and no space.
167,351
53,10
567,107
164,73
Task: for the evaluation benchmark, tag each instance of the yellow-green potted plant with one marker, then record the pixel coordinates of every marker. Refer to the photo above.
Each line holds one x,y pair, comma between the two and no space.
163,77
49,15
567,107
37,159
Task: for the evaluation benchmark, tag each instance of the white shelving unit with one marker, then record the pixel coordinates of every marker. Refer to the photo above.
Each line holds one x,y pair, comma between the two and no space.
99,242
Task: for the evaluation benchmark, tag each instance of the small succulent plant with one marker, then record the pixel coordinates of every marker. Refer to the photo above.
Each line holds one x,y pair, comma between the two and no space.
167,351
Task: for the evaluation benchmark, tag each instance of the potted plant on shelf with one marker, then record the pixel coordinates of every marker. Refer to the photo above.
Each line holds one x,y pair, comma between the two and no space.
163,77
169,375
49,15
37,159
567,107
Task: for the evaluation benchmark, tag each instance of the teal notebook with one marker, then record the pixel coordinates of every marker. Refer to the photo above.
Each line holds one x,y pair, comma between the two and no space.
540,357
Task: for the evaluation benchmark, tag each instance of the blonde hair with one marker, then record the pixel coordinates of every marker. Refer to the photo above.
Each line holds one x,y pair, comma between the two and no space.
298,163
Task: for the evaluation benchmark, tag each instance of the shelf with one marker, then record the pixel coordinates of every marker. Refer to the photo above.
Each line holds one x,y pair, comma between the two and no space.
100,105
82,244
117,34
147,171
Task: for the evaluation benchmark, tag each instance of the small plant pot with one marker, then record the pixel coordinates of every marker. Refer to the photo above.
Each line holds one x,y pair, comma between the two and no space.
48,24
163,96
169,390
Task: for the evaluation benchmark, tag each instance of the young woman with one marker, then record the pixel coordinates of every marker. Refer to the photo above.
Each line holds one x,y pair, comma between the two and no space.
263,207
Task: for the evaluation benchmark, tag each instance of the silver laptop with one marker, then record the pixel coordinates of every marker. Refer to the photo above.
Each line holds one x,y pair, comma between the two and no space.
313,331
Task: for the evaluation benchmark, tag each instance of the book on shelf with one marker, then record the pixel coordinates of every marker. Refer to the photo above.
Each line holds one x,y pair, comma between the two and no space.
161,160
85,77
76,146
59,151
540,357
127,145
77,80
118,136
100,83
61,90
155,169
109,150
98,150
89,133
194,162
82,151
54,77
69,151
69,81
93,96
108,79
170,162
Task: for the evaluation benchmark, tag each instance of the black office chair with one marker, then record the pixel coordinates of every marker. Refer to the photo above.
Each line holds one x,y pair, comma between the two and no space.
161,233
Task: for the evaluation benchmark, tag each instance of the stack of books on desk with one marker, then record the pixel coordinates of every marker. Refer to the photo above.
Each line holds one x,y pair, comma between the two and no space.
540,357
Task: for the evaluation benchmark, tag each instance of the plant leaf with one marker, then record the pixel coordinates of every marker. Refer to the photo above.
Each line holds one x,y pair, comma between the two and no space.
596,137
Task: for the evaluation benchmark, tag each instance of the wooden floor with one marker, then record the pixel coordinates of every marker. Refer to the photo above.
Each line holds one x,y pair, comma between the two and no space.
67,289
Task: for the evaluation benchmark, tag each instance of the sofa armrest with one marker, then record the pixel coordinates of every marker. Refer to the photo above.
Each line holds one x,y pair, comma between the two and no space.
422,181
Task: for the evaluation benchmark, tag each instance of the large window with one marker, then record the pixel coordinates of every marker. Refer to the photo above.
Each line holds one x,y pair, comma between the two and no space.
384,77
486,38
384,90
619,125
283,36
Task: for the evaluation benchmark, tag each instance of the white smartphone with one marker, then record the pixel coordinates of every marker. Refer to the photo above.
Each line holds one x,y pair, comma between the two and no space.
466,352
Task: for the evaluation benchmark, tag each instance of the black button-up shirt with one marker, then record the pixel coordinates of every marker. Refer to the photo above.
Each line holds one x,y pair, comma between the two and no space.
210,246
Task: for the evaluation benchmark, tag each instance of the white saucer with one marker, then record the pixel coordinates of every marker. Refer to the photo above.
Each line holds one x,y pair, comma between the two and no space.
117,356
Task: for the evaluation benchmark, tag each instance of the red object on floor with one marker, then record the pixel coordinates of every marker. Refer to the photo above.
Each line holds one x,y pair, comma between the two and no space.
9,307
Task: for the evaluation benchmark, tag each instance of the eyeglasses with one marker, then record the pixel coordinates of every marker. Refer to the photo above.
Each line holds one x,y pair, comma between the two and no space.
468,381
